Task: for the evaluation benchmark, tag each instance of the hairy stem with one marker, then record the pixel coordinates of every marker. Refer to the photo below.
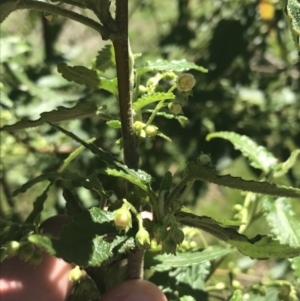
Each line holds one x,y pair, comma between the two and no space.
57,10
124,65
124,62
135,266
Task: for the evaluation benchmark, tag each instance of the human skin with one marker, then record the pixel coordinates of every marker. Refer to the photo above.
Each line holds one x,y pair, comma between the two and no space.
48,281
134,290
20,281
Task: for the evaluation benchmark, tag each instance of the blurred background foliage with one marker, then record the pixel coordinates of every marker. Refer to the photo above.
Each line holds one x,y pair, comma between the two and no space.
252,88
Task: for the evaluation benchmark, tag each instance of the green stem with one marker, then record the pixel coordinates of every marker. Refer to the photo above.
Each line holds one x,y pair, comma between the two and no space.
159,106
186,191
57,10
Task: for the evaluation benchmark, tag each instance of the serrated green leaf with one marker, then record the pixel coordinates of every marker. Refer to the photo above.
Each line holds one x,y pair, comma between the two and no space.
115,124
285,225
88,240
258,156
209,225
44,242
38,205
79,111
166,182
134,178
75,178
147,99
167,262
237,296
291,9
110,85
105,58
141,176
264,247
163,65
80,75
194,276
284,167
79,3
7,7
295,262
282,220
195,171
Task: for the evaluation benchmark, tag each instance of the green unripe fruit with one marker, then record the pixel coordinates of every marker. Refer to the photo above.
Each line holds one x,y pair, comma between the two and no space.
151,130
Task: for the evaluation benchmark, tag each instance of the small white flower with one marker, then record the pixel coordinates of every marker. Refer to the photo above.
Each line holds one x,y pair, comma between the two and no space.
185,82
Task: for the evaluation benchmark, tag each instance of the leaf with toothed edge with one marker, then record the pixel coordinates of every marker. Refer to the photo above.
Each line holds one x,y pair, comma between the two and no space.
79,111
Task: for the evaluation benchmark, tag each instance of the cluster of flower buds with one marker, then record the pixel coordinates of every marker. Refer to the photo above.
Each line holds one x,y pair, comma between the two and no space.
144,131
184,83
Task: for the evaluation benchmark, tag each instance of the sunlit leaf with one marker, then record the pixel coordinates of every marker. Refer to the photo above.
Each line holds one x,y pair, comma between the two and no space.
115,124
79,111
285,224
163,65
110,85
258,156
169,261
150,98
291,10
137,178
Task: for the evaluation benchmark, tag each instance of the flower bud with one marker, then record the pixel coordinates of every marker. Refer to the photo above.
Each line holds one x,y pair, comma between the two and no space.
204,160
185,82
151,130
75,274
177,236
138,126
168,246
25,252
122,218
36,257
11,247
143,237
175,108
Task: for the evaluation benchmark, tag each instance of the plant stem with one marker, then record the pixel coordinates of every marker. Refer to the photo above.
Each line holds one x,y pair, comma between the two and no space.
57,10
135,266
124,63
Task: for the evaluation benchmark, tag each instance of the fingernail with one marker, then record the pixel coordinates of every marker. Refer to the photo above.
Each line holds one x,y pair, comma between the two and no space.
137,297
